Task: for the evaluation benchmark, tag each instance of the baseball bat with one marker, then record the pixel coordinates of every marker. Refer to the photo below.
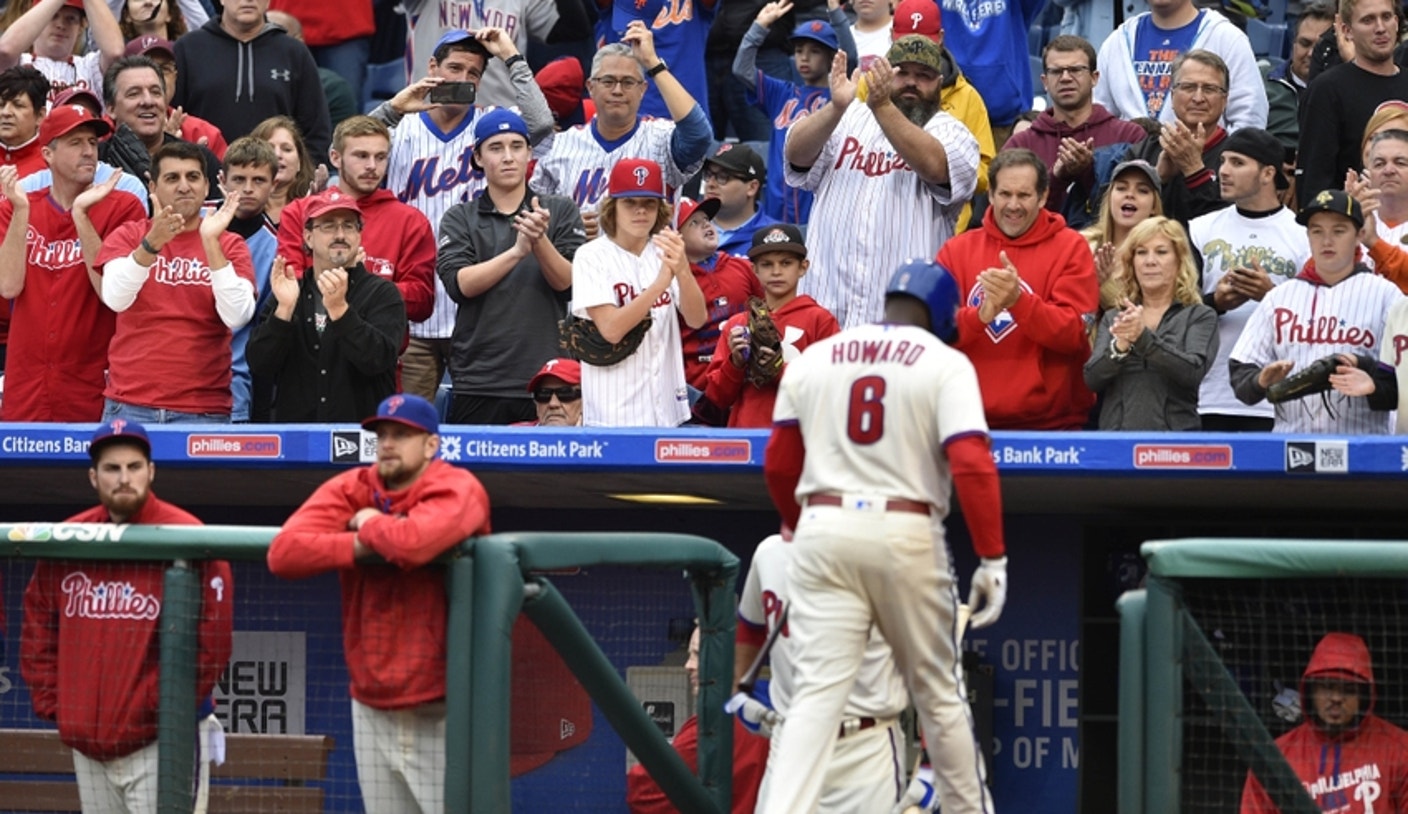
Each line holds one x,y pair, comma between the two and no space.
964,613
745,684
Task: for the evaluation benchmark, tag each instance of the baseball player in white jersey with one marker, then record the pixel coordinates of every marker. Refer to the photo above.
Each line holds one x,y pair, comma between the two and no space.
431,167
637,268
1247,248
581,159
890,176
871,426
1335,305
866,775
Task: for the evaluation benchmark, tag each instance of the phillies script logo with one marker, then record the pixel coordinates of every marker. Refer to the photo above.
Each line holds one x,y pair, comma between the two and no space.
625,292
1400,346
1321,330
181,271
875,163
772,612
54,255
106,600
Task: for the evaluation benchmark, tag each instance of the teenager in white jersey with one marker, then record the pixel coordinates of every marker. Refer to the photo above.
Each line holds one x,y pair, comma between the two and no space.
1335,305
581,158
45,37
430,166
636,269
871,427
1248,249
867,771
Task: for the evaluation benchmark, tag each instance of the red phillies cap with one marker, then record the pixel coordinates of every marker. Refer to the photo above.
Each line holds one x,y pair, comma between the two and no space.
688,206
76,95
568,370
78,4
148,43
636,178
550,711
64,119
917,17
329,200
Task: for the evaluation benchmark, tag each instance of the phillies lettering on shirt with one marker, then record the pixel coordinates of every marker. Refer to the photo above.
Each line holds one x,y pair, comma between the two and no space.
854,156
1400,346
1320,329
180,271
625,292
1334,791
53,255
106,600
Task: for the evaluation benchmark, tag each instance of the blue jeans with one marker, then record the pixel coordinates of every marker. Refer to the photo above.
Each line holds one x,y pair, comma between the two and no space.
348,60
157,415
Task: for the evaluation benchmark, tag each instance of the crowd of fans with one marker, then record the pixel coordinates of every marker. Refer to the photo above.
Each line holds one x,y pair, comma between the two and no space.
199,226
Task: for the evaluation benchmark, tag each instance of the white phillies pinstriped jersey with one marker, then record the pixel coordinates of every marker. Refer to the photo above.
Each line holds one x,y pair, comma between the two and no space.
875,404
578,167
879,690
1395,352
647,389
1228,239
872,212
1304,321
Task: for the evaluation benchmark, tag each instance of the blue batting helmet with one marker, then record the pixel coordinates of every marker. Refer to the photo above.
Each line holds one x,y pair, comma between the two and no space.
933,285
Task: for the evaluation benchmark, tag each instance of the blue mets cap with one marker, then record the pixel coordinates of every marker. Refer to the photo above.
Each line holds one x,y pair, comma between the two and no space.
817,31
119,429
496,122
450,37
404,408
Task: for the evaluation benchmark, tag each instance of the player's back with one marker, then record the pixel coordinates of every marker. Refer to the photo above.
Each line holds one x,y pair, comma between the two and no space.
874,404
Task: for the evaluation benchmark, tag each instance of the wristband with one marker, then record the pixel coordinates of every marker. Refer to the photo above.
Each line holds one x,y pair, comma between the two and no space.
1115,351
660,67
149,248
511,61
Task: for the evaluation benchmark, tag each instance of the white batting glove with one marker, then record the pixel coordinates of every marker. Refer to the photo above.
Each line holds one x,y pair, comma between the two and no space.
920,793
990,585
755,716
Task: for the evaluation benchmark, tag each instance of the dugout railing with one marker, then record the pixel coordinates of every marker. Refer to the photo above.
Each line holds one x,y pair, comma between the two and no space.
1212,646
490,580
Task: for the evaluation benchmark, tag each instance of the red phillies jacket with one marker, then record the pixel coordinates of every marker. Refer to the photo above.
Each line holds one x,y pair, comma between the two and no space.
394,614
726,288
397,238
90,645
750,759
1358,770
1031,359
328,23
800,323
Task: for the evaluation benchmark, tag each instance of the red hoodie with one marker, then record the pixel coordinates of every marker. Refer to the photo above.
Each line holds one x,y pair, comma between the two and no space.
397,238
1362,769
393,627
1030,359
91,642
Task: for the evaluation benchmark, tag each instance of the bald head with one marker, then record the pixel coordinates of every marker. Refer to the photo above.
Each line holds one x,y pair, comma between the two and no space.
287,22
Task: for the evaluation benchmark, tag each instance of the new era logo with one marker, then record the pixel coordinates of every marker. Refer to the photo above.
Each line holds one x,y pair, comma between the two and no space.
1300,457
353,447
565,729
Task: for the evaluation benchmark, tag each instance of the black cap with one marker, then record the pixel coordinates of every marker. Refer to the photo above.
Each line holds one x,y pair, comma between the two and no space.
779,237
1261,147
1332,200
741,160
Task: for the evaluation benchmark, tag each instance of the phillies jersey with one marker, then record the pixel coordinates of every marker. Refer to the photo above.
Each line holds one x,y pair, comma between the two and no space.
1305,319
84,72
727,284
1228,239
579,164
800,323
393,664
872,212
1395,353
876,404
879,691
171,349
90,644
646,389
59,327
785,103
397,239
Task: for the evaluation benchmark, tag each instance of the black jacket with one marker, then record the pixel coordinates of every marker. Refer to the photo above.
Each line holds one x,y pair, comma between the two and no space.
343,373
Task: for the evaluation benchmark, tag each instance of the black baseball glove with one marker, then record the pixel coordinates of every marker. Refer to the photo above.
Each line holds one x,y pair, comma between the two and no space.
582,340
762,368
1314,378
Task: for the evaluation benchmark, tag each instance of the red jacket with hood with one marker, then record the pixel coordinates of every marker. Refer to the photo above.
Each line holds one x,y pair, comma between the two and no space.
1362,769
1031,358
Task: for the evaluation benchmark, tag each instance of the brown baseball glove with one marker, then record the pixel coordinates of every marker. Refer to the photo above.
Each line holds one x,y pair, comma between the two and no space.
1314,378
582,340
762,368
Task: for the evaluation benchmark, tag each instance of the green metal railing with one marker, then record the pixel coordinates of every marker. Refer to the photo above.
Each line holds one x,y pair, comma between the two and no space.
490,580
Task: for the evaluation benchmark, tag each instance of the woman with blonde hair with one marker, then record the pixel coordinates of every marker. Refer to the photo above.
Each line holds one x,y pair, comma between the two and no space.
629,283
1151,355
294,175
1134,195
